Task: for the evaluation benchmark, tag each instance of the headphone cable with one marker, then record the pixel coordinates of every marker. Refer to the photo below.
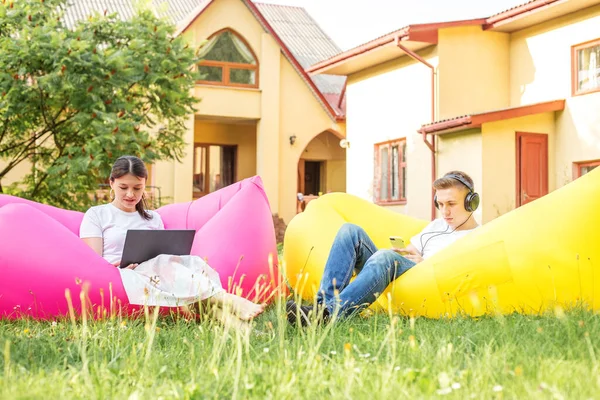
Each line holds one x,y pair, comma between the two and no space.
439,233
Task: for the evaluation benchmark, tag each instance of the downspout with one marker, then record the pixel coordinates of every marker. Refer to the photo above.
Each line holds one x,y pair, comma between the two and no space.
430,145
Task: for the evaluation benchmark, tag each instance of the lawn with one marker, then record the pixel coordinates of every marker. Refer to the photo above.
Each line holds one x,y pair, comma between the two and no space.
551,356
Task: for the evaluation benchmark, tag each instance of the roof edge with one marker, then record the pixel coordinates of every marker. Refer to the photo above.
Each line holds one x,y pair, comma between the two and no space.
518,12
415,32
194,15
355,51
491,22
286,51
478,119
463,122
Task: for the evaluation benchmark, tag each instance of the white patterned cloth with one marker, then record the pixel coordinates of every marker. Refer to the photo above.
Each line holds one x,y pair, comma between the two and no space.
170,281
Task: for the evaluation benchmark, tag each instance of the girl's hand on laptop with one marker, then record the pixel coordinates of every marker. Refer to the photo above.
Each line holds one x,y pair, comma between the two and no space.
130,266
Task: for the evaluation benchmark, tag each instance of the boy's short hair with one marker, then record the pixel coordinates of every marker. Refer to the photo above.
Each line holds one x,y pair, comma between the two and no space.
447,181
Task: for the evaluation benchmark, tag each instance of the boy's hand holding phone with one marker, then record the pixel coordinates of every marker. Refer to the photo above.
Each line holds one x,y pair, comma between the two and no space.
397,242
399,246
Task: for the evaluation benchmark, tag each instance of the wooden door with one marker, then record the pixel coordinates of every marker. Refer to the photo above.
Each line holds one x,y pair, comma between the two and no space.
532,166
312,178
301,169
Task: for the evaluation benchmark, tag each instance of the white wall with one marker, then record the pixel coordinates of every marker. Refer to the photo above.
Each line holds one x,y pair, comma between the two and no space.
388,102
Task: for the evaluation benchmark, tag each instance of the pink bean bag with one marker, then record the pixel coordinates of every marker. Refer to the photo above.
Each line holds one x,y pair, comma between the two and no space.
41,255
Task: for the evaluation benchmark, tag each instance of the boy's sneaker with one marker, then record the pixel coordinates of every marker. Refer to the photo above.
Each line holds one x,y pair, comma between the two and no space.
299,314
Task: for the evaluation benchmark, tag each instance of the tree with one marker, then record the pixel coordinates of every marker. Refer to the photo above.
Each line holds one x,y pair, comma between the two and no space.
74,98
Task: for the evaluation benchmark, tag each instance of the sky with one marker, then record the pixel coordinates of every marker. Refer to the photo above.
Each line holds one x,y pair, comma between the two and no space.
353,22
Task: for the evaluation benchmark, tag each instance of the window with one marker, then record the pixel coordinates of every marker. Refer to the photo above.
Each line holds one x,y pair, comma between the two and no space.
582,168
390,172
585,60
214,168
228,60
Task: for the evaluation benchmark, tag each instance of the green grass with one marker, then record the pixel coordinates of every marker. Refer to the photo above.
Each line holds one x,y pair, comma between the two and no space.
376,357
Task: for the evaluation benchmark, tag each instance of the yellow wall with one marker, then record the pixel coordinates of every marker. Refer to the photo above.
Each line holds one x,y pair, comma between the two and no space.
174,179
326,148
499,160
282,106
541,71
477,71
300,115
226,14
473,74
462,152
16,174
386,102
220,101
269,135
336,175
540,56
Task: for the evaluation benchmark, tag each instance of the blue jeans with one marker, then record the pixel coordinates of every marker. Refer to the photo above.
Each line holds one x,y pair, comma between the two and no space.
353,250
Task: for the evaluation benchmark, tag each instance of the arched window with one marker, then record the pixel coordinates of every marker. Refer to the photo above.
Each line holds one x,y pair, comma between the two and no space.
228,60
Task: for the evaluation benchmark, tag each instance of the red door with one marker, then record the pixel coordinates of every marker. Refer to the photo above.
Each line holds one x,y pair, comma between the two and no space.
532,167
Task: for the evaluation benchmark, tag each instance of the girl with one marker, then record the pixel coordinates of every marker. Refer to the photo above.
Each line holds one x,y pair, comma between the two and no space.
165,280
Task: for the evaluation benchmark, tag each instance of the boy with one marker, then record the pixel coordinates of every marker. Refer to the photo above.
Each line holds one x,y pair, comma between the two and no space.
353,250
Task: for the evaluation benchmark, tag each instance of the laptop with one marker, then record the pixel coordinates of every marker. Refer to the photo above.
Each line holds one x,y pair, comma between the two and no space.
144,244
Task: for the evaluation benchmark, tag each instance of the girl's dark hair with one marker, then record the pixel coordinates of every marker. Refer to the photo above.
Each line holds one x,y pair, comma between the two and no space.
134,166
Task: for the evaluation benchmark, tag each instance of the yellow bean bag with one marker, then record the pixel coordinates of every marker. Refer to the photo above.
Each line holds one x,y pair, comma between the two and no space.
532,259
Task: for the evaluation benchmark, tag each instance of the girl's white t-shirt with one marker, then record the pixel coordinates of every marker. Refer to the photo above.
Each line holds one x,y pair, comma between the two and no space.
111,224
436,236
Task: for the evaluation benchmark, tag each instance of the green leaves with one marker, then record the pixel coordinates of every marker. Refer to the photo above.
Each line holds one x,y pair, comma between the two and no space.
73,99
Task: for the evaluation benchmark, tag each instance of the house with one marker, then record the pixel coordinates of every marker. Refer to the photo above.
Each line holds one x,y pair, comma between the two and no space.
260,112
511,99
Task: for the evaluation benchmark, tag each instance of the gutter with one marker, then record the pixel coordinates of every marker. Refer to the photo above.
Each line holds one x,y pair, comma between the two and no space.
509,15
442,126
364,48
430,145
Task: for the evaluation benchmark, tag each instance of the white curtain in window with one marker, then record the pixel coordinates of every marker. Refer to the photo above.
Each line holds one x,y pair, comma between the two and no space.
207,47
593,70
385,176
241,47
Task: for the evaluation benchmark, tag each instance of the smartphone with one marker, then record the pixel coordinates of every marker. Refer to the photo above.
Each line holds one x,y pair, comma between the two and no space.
397,242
